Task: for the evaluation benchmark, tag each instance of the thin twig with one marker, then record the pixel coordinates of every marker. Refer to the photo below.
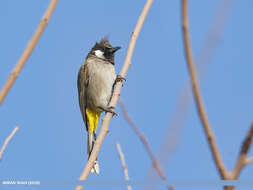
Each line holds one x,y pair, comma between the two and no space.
144,140
7,140
242,160
123,162
27,52
195,88
106,120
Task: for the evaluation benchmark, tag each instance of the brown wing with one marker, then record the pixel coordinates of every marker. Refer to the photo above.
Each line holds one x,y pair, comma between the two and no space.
82,84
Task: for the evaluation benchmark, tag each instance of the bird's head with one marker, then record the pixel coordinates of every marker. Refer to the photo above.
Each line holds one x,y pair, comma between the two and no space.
104,50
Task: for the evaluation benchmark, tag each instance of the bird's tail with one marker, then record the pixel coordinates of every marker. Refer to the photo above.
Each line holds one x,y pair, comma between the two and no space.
91,142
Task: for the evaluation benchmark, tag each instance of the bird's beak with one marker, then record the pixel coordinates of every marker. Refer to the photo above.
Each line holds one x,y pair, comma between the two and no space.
114,49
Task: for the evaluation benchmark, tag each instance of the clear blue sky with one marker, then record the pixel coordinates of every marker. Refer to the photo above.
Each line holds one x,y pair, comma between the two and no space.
51,142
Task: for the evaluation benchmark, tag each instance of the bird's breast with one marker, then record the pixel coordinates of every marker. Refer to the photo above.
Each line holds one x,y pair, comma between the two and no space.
101,80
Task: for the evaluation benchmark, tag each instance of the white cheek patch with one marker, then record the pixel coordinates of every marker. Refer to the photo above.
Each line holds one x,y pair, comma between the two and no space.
99,53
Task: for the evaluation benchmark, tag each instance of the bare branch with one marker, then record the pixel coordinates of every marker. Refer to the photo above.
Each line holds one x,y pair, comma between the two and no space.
242,160
207,51
247,141
144,141
116,93
123,162
195,88
7,140
27,52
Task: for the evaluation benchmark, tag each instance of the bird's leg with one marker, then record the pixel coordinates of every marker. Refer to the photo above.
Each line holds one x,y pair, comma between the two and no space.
109,109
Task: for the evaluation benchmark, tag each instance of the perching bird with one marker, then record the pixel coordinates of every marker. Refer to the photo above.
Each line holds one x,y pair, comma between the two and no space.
96,79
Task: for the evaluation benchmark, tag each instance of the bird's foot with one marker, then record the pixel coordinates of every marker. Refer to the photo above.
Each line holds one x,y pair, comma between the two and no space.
109,109
120,78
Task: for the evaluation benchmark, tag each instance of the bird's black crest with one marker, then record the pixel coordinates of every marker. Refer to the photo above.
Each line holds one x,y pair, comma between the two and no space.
102,45
105,42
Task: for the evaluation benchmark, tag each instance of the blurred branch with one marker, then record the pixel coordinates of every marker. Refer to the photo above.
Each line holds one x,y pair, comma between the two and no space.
106,120
27,52
242,160
144,141
7,140
249,160
195,88
122,158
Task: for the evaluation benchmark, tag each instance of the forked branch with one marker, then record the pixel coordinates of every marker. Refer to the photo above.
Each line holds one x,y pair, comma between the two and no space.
242,160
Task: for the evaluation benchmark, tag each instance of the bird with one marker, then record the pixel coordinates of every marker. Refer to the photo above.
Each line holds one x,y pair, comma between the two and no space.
96,80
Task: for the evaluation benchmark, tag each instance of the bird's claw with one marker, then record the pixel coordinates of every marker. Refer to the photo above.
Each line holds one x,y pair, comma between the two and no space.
109,109
120,78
